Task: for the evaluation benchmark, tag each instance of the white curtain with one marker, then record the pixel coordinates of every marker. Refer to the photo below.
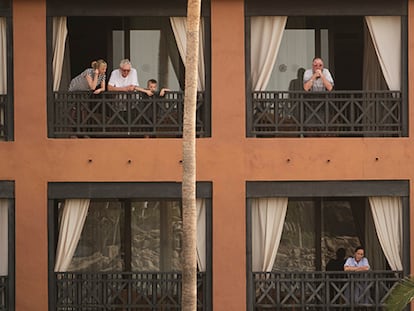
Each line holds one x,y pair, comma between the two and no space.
268,217
71,225
179,26
266,36
60,32
3,56
385,33
373,78
4,239
387,215
201,234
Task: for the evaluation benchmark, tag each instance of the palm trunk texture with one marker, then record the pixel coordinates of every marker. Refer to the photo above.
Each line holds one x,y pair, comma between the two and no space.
189,251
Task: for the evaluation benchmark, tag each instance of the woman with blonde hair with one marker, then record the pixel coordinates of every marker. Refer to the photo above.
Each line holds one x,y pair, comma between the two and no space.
91,79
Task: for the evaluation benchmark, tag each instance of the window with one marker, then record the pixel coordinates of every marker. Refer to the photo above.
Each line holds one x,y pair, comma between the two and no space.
153,39
294,228
149,43
315,228
124,240
354,43
129,235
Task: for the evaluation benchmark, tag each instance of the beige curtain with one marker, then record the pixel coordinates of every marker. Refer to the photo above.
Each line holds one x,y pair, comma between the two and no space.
373,79
385,33
71,225
3,56
179,27
4,239
201,234
266,36
268,217
58,41
387,215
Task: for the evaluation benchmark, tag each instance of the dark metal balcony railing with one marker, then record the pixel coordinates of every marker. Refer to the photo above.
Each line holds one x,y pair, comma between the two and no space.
336,113
4,293
124,291
322,290
114,114
3,103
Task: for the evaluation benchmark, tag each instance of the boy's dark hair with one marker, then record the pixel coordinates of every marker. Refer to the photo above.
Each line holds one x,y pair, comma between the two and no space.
152,81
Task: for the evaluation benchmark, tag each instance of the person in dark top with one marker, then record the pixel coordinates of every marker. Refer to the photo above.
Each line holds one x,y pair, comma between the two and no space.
337,264
152,89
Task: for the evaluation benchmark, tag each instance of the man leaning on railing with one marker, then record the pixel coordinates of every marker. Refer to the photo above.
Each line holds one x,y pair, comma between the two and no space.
318,78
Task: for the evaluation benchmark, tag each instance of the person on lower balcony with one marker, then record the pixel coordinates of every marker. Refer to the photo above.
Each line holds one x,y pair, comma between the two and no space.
317,79
358,263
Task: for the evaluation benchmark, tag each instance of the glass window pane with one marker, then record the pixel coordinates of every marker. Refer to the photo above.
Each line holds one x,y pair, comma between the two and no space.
297,246
338,229
156,235
118,50
99,248
296,51
151,59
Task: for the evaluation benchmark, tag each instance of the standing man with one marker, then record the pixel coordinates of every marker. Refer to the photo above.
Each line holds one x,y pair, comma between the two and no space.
124,79
318,78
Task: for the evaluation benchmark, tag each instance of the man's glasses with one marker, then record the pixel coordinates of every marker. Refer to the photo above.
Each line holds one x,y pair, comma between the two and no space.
125,70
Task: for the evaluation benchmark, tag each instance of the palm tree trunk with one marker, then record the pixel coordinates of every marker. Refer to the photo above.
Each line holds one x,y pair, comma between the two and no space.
189,252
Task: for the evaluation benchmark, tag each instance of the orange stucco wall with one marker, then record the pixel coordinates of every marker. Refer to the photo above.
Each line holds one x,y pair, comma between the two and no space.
227,159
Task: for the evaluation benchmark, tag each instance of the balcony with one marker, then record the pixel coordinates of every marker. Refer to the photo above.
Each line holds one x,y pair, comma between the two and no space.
123,291
336,113
322,290
4,293
122,115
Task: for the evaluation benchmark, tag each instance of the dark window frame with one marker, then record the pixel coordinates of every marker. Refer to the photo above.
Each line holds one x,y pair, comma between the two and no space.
331,189
58,191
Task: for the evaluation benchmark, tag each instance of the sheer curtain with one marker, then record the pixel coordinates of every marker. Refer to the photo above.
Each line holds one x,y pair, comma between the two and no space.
201,234
179,27
387,215
385,33
71,225
268,217
60,32
266,36
4,238
3,56
373,79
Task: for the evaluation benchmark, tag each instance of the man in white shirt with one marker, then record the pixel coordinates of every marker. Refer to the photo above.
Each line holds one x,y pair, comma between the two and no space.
124,79
317,79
